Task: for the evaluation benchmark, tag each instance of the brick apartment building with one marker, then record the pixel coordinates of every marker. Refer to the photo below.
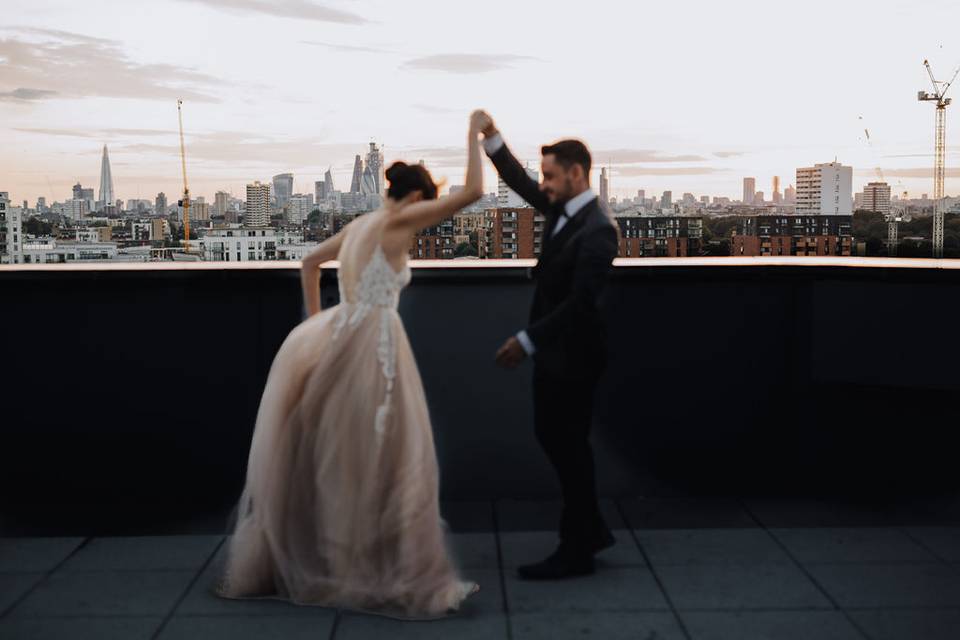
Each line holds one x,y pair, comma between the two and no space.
659,236
434,243
782,235
511,232
517,233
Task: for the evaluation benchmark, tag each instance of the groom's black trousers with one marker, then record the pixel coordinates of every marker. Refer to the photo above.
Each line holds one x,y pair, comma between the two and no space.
563,415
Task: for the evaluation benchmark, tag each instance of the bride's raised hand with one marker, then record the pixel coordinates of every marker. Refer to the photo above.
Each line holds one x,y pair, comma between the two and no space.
480,120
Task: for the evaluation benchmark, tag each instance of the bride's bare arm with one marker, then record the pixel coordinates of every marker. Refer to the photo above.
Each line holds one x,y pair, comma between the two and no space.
310,270
420,215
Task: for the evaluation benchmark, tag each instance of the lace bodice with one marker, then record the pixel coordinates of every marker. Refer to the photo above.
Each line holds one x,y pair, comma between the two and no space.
379,284
377,288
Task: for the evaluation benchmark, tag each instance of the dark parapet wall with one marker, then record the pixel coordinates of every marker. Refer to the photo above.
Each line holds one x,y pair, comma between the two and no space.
137,389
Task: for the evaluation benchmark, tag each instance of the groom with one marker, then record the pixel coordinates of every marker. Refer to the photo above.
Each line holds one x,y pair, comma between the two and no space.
565,336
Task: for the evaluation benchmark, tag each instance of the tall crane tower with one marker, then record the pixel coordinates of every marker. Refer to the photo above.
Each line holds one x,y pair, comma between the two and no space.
185,202
895,215
942,102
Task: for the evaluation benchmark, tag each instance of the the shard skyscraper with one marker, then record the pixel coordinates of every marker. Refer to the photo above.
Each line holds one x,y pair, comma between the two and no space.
106,181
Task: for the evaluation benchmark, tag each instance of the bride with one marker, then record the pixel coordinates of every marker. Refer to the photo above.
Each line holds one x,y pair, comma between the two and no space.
340,506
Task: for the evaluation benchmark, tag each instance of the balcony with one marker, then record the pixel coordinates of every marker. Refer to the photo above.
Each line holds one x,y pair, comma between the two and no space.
131,392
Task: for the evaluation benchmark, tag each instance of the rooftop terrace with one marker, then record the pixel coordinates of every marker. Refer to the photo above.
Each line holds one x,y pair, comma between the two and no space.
776,442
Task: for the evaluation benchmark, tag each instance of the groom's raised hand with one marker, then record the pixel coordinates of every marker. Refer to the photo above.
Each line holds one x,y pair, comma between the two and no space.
511,354
484,122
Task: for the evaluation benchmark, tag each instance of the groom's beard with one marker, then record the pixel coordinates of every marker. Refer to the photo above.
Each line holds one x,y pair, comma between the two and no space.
564,198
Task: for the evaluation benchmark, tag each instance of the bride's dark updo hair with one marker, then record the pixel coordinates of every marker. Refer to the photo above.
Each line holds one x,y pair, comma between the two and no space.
406,178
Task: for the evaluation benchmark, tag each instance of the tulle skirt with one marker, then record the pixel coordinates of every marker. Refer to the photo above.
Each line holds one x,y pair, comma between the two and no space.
341,509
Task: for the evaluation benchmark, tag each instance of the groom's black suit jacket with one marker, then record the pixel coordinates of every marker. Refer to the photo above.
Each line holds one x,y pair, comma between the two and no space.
565,324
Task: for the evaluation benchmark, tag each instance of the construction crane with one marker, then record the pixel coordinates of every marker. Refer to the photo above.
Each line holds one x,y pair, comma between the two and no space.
942,102
894,217
185,202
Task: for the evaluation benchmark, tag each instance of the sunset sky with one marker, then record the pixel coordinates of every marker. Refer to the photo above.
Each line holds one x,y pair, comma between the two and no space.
680,95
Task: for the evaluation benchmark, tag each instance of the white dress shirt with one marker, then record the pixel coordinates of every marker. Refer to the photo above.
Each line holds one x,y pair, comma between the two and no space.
573,206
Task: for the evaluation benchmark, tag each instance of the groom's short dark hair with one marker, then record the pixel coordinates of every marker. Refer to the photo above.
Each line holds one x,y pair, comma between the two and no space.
569,153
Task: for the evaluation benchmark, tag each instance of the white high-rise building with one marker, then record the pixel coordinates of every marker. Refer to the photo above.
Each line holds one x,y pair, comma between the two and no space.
507,198
258,205
11,231
876,197
221,202
825,189
76,208
247,244
299,208
749,190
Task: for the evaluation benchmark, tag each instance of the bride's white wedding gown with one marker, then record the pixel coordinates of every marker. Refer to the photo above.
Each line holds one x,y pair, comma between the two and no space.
340,506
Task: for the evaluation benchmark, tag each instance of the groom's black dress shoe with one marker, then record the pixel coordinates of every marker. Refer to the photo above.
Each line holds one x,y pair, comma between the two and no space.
563,563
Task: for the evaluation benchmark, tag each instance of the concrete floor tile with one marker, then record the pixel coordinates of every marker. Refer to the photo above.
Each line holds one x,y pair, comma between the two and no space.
710,546
106,593
928,624
14,585
533,546
773,512
250,627
144,553
617,589
35,554
889,585
754,586
769,625
80,628
943,541
606,625
460,627
860,544
474,550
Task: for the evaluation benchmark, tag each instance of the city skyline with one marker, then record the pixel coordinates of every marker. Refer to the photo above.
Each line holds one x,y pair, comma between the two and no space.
249,114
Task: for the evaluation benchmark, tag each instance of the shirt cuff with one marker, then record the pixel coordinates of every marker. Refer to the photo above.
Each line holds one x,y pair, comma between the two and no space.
526,343
493,144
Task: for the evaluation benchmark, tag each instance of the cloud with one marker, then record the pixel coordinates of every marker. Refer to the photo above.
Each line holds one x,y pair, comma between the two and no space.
138,132
729,154
921,172
437,152
345,47
299,9
96,133
435,110
633,156
251,150
61,35
22,94
464,62
667,171
909,155
59,64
